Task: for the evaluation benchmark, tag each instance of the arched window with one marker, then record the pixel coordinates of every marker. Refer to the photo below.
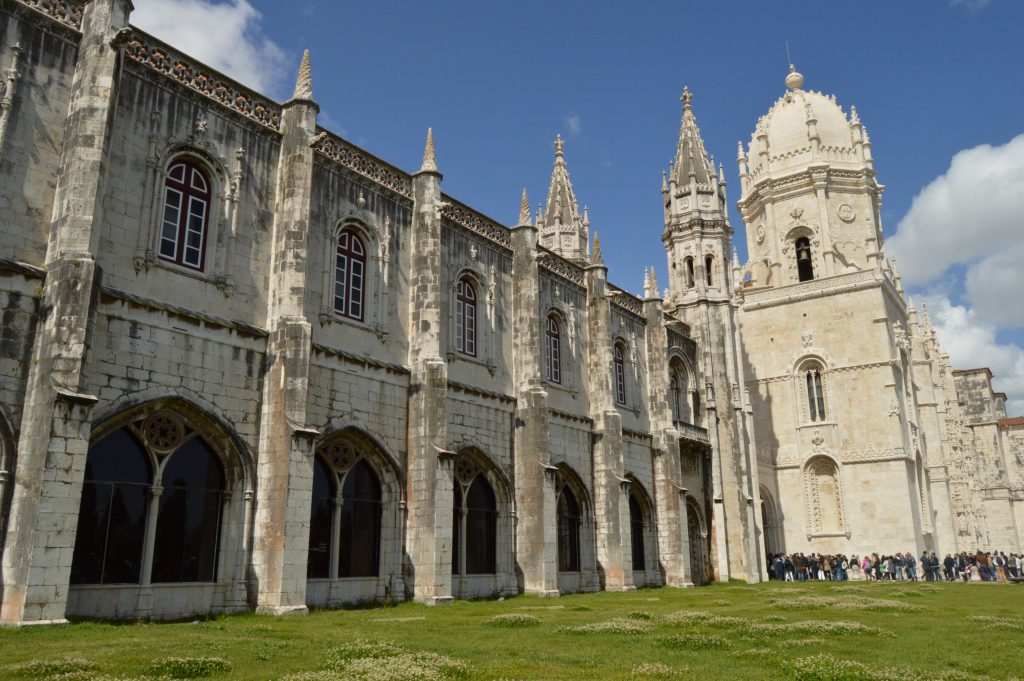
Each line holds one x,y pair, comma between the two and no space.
359,534
636,525
568,531
678,387
183,227
554,358
709,268
620,374
188,526
804,262
689,272
815,391
321,520
465,317
349,276
112,518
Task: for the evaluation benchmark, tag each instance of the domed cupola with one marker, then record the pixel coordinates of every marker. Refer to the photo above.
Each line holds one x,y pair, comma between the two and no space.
804,128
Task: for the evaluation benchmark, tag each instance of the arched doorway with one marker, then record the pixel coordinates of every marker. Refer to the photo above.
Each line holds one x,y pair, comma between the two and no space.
771,529
699,551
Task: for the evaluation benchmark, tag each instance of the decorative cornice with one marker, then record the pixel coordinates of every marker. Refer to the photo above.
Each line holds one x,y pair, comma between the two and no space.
571,417
627,302
807,290
162,58
480,392
559,266
334,148
464,216
361,360
66,12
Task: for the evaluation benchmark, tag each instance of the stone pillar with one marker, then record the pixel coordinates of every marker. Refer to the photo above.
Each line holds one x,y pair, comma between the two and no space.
430,480
535,477
284,472
669,504
55,426
614,554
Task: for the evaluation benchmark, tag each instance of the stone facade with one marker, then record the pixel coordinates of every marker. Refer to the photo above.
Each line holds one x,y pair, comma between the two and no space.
338,384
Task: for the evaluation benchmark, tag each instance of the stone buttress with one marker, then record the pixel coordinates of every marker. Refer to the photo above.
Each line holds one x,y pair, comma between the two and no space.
56,423
430,477
286,442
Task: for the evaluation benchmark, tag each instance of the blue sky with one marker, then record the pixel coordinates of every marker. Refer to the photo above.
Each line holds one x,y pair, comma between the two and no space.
497,81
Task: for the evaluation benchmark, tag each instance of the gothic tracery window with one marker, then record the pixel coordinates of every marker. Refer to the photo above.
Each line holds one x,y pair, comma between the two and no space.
620,374
814,384
475,527
554,350
325,496
359,532
185,217
465,317
349,276
678,390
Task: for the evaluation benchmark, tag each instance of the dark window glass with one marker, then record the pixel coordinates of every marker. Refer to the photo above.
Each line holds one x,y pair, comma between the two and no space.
481,528
689,273
185,215
709,268
320,521
457,530
349,276
815,395
620,375
554,336
568,531
465,317
112,516
359,534
636,523
804,263
188,525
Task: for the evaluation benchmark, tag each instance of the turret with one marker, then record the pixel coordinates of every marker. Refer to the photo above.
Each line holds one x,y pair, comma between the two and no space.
562,229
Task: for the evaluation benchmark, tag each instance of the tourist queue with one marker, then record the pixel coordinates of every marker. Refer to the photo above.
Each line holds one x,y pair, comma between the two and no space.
988,566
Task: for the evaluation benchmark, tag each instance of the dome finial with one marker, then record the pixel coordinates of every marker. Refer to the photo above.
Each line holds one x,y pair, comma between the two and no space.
795,79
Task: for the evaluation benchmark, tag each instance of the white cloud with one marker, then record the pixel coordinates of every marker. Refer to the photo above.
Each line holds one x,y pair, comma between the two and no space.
972,343
225,35
972,215
972,5
573,124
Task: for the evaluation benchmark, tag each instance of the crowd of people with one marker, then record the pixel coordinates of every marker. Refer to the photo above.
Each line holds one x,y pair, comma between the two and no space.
988,566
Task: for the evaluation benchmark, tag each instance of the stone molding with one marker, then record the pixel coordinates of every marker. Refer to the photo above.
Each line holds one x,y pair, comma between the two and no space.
480,392
160,57
361,360
66,12
459,213
111,293
559,266
347,155
807,290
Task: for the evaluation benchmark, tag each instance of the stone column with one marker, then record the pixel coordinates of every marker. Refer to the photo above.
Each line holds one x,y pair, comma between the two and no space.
535,477
669,505
284,472
430,481
55,426
614,554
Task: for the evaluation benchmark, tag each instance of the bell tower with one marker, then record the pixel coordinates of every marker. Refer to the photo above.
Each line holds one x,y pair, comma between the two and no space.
698,243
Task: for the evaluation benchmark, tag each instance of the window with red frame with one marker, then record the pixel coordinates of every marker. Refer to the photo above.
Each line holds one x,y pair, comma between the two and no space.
554,336
620,375
465,317
183,229
349,276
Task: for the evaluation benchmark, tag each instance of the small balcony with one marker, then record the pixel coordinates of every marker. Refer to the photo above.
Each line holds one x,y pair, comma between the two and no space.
692,433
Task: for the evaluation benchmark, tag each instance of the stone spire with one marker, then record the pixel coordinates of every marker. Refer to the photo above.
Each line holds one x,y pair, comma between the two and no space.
564,230
524,209
596,257
691,159
429,158
304,81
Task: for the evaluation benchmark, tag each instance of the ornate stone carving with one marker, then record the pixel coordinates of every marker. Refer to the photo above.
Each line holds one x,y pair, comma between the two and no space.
67,12
163,431
150,52
475,222
846,212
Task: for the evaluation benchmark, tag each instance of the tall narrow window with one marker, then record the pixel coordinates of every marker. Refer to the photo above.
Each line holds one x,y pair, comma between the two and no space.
188,529
359,534
709,268
112,519
321,521
457,529
677,385
815,393
183,226
465,317
636,526
620,375
554,337
481,528
804,262
689,273
568,531
675,397
349,276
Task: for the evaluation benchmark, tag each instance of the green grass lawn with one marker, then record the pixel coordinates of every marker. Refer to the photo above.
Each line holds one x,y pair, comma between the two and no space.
728,631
